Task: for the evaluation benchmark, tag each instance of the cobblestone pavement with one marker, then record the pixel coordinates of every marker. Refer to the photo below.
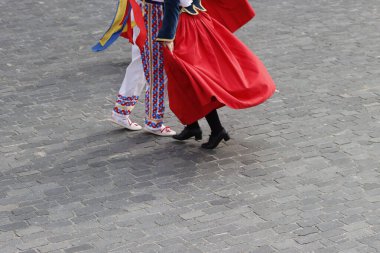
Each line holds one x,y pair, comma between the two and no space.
301,173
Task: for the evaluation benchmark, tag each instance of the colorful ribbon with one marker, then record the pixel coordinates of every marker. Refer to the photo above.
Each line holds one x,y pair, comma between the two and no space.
123,26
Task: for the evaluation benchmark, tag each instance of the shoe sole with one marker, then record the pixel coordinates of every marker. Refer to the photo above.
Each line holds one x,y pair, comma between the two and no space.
118,124
153,132
197,138
225,138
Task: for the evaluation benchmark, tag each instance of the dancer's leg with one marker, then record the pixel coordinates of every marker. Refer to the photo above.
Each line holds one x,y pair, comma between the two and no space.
153,62
218,133
130,90
132,86
214,122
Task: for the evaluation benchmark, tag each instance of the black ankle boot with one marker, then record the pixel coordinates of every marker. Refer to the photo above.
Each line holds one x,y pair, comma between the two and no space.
188,132
215,139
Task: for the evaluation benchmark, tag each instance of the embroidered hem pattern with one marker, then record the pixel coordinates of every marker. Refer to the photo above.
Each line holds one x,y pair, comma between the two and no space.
124,105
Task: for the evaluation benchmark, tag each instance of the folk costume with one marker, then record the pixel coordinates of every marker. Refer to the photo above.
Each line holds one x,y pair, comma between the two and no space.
139,22
210,67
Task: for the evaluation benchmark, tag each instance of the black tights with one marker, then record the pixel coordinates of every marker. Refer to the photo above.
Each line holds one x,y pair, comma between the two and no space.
212,120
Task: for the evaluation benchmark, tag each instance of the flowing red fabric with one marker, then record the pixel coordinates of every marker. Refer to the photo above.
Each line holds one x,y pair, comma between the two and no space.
210,68
139,20
233,14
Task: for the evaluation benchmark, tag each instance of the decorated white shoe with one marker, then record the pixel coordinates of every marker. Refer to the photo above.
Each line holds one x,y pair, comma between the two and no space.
163,131
125,122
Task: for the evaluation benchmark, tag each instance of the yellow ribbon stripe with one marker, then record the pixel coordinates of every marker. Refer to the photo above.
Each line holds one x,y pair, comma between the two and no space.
117,23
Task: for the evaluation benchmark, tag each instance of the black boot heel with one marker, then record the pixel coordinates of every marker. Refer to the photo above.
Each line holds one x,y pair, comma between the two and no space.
215,139
198,136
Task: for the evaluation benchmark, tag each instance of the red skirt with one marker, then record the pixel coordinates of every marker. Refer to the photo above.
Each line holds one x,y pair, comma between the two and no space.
209,68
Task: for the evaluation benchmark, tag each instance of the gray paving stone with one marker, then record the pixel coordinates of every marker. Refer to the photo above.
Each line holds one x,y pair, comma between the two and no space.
80,248
13,226
55,191
306,231
193,214
303,240
142,198
29,251
326,226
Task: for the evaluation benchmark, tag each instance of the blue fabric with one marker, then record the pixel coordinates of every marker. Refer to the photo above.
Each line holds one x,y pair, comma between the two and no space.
170,21
198,5
99,47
